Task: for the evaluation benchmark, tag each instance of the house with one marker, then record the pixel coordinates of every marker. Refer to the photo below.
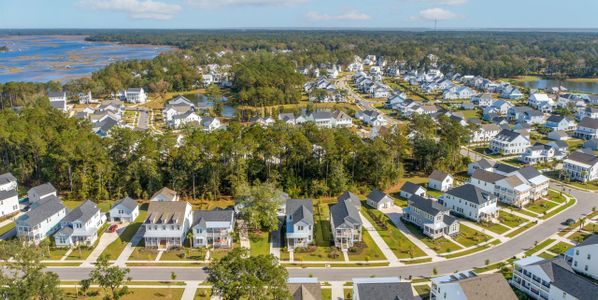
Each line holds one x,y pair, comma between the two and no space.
482,164
471,202
167,224
483,100
165,194
587,112
462,92
501,107
508,142
288,118
409,189
189,117
371,117
541,102
299,223
103,128
580,257
58,100
134,95
213,228
485,133
8,182
581,166
41,221
348,196
307,288
560,123
210,124
341,119
558,136
536,180
172,110
431,216
587,129
538,153
591,144
9,202
379,200
382,288
550,279
511,92
80,226
469,286
346,224
40,192
125,210
440,181
511,189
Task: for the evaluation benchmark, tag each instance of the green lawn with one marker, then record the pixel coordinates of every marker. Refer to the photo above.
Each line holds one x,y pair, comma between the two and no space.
417,261
556,197
326,294
114,249
591,227
539,247
203,294
260,244
576,224
540,206
494,227
560,248
394,238
370,252
546,255
578,237
440,245
467,252
510,219
6,228
82,252
141,253
138,294
195,254
56,253
470,237
521,229
422,290
558,210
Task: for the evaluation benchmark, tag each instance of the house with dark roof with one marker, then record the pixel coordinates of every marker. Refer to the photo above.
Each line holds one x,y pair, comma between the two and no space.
551,279
348,196
133,95
299,223
41,221
482,164
431,216
581,166
9,202
125,210
409,189
165,194
471,202
537,153
8,182
582,257
470,286
57,100
346,224
38,193
80,226
508,142
304,288
587,129
213,228
167,224
440,181
560,123
379,200
382,288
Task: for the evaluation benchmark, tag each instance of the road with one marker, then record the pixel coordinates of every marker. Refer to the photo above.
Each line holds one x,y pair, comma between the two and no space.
143,121
585,202
361,102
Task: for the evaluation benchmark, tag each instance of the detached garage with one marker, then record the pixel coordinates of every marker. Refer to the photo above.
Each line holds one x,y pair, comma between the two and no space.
125,210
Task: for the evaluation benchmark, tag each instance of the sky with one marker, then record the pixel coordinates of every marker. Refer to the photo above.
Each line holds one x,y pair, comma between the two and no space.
209,14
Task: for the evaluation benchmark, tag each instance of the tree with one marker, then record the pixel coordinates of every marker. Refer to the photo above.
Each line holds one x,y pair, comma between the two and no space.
260,206
236,276
111,278
24,276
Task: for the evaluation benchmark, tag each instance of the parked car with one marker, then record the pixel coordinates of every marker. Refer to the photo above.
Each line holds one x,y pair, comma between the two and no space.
112,228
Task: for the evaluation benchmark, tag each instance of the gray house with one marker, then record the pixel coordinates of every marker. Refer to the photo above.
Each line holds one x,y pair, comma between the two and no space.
299,223
125,210
429,215
351,197
409,189
379,200
41,221
345,223
213,228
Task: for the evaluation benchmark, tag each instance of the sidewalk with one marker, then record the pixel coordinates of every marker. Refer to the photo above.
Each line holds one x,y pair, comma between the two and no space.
395,217
392,258
106,239
190,288
124,256
337,290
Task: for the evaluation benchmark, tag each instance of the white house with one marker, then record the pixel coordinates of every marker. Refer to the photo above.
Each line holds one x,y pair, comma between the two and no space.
583,257
587,129
560,123
167,224
213,228
440,181
165,194
432,217
189,117
299,223
80,226
409,189
9,202
471,202
508,142
8,182
551,279
210,124
469,286
482,164
40,192
58,100
485,133
125,210
483,100
581,166
379,200
586,112
381,288
345,223
371,117
134,95
538,153
41,221
541,102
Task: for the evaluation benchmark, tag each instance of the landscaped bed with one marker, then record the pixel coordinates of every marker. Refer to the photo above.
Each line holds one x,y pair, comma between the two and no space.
138,294
469,237
540,206
190,254
367,253
141,253
560,248
539,247
494,227
509,219
440,245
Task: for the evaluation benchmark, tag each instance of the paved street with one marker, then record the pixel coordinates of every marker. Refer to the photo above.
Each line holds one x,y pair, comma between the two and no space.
144,119
503,251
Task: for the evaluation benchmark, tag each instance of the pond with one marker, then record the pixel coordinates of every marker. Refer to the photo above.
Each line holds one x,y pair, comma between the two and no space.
590,87
202,102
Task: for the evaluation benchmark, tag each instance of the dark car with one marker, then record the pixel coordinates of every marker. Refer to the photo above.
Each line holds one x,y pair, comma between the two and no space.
569,222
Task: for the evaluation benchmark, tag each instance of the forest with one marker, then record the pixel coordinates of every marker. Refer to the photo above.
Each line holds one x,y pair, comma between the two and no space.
39,144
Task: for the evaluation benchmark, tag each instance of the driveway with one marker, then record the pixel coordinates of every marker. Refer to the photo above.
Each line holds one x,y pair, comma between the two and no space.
106,239
143,120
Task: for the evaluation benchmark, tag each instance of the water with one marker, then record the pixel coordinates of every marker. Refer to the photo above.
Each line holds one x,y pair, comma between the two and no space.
582,87
50,57
203,103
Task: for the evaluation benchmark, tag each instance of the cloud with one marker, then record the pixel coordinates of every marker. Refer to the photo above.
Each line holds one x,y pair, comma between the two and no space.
437,13
221,3
136,9
351,15
446,2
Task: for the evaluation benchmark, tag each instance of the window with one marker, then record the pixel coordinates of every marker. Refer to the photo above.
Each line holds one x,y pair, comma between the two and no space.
300,228
589,256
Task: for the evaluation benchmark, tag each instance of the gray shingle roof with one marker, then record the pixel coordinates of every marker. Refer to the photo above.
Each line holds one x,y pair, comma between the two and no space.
584,158
486,176
564,278
505,168
168,212
44,189
438,175
7,178
353,199
591,240
410,187
529,172
344,213
82,213
41,212
57,104
166,192
471,193
386,291
376,195
56,94
203,216
428,205
8,194
589,123
301,209
127,203
507,135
